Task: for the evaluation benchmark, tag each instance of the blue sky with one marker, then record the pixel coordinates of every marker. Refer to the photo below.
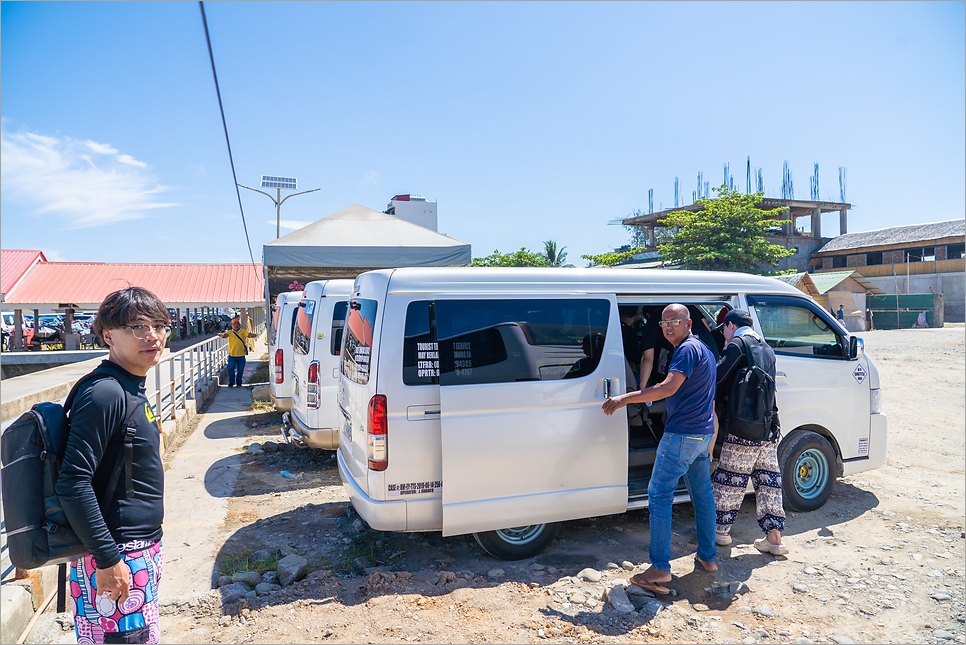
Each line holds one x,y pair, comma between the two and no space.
524,121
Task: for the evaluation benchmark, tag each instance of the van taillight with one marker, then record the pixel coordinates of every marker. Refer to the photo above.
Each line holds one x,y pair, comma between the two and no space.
279,377
377,433
312,386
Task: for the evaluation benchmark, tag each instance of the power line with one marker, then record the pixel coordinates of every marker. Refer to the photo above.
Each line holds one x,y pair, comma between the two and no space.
227,140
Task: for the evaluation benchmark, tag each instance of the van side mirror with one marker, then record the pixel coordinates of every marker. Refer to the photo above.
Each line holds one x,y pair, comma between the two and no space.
856,347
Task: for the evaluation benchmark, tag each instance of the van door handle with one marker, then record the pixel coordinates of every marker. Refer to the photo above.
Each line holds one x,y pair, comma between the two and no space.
780,375
607,388
335,372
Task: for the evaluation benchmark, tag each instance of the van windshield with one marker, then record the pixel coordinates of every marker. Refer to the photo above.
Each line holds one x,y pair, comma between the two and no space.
358,339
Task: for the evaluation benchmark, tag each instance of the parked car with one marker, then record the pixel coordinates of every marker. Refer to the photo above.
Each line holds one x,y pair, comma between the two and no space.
281,339
314,419
462,410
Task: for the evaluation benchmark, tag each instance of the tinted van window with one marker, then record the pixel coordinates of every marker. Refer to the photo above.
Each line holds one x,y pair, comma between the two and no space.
359,324
303,326
501,341
338,323
420,351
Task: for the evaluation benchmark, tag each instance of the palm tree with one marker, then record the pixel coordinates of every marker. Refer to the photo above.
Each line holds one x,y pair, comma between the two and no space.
554,257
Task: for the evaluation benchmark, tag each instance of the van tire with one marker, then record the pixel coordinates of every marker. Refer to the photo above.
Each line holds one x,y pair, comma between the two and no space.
518,543
807,463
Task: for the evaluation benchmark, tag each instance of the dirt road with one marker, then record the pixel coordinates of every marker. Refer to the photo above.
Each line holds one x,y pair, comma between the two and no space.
881,562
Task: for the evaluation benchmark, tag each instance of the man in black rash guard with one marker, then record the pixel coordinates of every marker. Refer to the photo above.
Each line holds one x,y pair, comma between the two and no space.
115,587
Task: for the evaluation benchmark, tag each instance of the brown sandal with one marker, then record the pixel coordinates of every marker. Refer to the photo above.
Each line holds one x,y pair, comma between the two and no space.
710,567
654,587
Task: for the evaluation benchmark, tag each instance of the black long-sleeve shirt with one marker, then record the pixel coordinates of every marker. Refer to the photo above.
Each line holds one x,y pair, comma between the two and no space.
96,439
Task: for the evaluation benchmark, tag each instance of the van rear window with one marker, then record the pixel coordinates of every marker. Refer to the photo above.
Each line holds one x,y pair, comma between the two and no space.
461,342
303,326
359,324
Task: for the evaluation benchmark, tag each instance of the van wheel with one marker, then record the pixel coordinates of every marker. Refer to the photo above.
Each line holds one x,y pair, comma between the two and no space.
518,543
806,460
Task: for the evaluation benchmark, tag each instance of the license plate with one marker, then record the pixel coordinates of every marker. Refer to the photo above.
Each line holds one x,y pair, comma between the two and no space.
347,431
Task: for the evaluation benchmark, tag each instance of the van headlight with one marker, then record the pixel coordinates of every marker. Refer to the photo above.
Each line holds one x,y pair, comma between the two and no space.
876,401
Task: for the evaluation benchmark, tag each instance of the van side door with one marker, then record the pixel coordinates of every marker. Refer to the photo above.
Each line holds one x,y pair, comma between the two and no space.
524,439
817,383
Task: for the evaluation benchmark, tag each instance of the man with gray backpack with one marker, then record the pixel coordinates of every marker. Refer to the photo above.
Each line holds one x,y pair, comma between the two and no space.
748,416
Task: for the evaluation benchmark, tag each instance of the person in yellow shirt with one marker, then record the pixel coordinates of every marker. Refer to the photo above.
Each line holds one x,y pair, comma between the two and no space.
237,350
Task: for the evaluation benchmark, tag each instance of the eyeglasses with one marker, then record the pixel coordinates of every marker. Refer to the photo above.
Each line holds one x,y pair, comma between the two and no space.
671,323
141,331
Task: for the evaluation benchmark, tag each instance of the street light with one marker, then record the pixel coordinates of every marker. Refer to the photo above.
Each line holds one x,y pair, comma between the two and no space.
288,183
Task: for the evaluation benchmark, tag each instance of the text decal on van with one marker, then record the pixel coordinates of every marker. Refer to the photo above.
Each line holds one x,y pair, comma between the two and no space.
416,488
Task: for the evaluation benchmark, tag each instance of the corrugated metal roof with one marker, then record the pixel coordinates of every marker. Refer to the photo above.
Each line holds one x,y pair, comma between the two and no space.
910,234
828,279
87,283
14,263
825,281
801,281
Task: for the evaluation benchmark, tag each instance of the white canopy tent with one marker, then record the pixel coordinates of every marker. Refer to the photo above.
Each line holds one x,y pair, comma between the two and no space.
352,241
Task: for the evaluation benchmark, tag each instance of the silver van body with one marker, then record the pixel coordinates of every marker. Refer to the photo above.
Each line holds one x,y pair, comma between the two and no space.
314,418
465,407
281,337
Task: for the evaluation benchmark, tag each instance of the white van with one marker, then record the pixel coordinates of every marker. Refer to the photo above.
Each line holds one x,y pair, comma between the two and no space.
314,419
470,404
281,340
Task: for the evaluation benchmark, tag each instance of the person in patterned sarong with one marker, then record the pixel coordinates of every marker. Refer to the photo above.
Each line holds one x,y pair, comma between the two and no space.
740,458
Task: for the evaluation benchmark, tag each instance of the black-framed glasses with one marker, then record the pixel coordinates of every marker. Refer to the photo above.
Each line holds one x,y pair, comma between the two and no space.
141,331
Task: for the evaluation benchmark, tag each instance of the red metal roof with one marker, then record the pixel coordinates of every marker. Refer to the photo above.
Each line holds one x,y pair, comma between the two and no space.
87,283
14,263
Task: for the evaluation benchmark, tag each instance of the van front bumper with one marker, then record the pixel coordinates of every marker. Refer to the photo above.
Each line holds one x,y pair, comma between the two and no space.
878,440
294,431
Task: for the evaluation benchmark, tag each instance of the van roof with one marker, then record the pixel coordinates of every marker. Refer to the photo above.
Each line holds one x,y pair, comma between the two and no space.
547,280
333,287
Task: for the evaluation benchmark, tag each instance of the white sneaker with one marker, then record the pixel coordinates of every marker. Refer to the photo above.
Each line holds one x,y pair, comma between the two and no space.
722,539
763,545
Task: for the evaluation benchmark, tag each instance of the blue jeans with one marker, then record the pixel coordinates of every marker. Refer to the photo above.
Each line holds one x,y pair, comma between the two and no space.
681,455
236,367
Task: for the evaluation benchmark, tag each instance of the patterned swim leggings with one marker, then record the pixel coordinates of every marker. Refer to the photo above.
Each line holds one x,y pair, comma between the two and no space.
98,619
739,460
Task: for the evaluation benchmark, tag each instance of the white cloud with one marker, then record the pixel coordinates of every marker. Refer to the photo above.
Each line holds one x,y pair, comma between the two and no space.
131,161
289,224
59,176
371,178
101,148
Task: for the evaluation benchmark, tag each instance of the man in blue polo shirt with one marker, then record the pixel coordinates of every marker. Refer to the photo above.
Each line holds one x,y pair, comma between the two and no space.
684,449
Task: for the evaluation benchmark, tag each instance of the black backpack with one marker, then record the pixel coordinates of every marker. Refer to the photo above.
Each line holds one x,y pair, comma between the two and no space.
751,410
32,451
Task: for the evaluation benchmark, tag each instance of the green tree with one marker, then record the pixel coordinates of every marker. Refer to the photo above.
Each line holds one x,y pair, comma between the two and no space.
522,258
609,259
727,235
554,257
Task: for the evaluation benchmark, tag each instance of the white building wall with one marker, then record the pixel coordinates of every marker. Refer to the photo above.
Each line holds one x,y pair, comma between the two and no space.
419,213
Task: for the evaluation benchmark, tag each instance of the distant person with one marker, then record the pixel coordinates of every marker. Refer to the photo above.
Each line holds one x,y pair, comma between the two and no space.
114,588
868,319
684,448
741,459
237,350
840,314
